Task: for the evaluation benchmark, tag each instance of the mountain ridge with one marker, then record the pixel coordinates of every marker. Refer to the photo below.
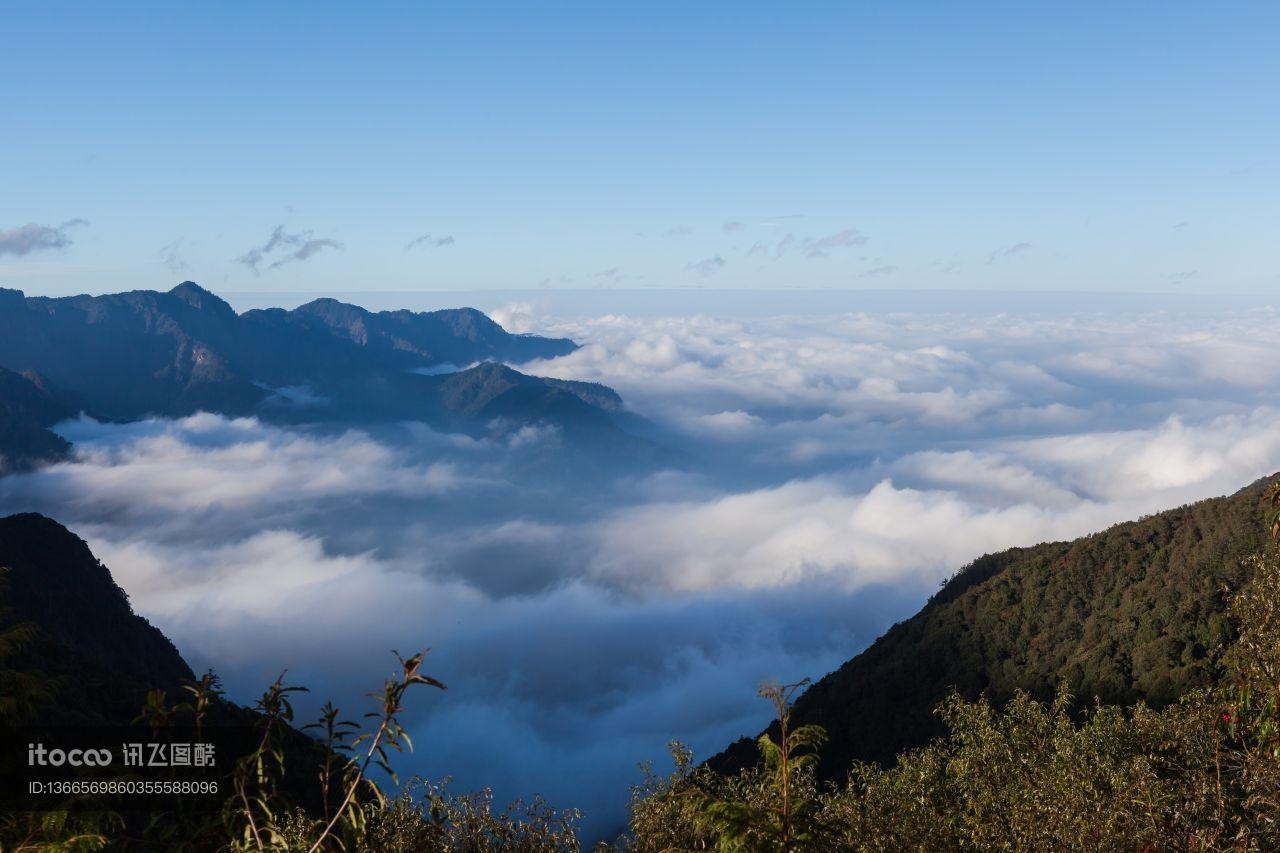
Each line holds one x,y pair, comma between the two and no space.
28,409
1131,613
102,655
125,356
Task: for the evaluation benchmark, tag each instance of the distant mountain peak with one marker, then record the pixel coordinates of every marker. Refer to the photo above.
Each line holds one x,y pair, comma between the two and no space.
129,355
11,298
495,369
204,300
27,410
327,304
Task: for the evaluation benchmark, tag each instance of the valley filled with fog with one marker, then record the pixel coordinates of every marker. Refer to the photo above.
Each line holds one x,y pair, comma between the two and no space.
820,474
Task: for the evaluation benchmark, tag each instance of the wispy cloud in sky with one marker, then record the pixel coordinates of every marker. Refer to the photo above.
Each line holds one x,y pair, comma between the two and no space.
428,240
1009,251
820,247
812,247
283,248
707,266
884,269
171,257
611,275
31,237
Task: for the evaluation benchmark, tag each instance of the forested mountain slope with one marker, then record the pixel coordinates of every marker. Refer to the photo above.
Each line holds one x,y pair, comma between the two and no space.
100,655
1135,612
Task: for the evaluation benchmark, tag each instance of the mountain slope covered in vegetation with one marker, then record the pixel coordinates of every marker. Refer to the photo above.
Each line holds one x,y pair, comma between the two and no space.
101,657
1135,612
74,654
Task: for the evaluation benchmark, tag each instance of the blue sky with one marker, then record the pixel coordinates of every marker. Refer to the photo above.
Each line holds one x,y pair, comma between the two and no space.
1028,146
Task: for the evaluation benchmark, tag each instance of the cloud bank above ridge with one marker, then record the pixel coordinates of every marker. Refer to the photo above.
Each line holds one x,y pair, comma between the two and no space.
839,468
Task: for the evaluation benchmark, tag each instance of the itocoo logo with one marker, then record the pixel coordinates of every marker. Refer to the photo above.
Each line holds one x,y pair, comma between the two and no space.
38,755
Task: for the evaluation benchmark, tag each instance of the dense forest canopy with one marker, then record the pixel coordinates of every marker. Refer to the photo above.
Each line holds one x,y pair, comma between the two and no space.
1137,612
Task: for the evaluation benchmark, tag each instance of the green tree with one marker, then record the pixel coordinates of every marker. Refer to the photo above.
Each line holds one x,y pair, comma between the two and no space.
22,691
785,819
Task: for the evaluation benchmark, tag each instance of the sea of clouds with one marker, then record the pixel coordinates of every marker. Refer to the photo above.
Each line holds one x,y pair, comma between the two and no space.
829,471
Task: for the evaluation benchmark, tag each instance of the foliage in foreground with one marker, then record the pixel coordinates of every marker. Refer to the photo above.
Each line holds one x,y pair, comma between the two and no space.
1200,775
354,813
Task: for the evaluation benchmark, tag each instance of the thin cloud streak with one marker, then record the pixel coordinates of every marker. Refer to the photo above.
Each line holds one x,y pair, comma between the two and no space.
428,240
283,248
1006,252
706,267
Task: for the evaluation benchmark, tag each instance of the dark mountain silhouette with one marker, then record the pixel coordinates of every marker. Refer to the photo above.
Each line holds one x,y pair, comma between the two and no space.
103,656
459,336
128,355
1132,613
490,390
93,657
27,409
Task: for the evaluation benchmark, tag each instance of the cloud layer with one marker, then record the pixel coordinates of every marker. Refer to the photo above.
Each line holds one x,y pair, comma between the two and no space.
837,468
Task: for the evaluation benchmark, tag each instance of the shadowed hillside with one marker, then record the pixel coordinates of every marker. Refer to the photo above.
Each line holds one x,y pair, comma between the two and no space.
27,409
129,355
103,656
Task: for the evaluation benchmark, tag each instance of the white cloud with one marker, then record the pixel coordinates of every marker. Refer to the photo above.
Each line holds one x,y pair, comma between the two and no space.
205,462
857,373
969,503
25,239
831,470
736,422
516,317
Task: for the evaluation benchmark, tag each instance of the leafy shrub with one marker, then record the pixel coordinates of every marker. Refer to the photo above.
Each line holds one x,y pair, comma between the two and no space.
1202,774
